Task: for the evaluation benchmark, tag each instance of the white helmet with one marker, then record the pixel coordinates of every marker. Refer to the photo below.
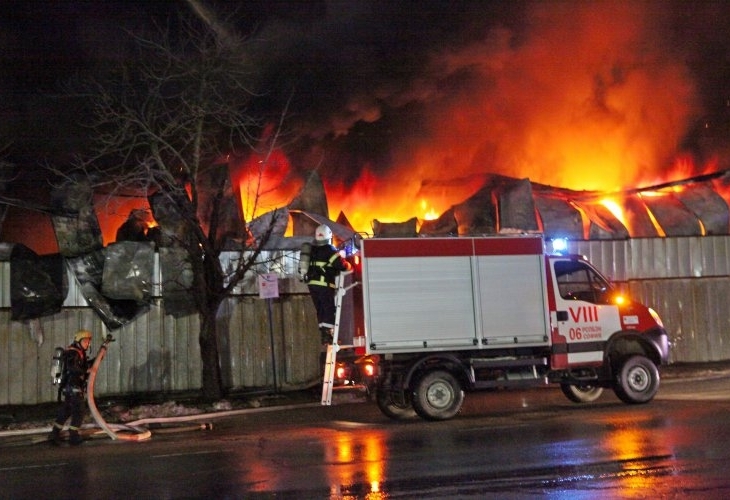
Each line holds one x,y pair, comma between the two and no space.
322,234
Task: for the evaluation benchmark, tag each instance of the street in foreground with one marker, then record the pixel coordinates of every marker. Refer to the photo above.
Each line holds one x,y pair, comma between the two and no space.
519,444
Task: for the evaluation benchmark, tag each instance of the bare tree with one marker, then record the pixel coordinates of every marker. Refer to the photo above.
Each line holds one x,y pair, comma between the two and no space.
164,124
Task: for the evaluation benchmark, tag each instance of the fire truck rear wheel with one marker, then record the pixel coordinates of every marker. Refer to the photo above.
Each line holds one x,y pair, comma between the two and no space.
581,393
397,408
637,380
437,395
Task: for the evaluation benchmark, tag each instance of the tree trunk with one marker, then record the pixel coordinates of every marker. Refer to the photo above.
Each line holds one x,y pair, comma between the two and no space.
208,340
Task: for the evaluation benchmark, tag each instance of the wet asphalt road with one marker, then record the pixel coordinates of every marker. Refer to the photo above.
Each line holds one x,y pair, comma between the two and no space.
516,444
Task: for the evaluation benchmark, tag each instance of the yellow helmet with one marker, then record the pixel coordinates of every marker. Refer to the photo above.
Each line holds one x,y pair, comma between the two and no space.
82,334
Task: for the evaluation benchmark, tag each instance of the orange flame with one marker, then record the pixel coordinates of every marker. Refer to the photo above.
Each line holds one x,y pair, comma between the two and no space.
264,183
428,212
616,209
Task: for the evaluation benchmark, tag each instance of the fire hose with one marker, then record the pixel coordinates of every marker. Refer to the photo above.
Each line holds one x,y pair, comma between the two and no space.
141,434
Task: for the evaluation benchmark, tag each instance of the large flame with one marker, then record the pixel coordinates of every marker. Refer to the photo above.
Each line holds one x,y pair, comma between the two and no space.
386,199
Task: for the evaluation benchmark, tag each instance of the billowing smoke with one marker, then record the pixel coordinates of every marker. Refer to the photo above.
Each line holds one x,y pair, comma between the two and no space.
582,95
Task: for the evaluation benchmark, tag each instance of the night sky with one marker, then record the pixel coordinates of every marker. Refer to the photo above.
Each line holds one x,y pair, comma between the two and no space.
428,89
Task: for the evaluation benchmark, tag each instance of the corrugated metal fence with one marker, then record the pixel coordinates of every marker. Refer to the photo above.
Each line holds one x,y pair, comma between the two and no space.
264,343
274,343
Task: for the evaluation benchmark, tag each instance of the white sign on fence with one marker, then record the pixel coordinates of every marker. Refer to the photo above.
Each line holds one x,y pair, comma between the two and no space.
268,286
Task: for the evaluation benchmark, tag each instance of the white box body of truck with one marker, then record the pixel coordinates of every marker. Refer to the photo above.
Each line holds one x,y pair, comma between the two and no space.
454,293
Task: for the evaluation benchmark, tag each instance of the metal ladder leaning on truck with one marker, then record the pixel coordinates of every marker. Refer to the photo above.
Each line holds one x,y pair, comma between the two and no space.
437,317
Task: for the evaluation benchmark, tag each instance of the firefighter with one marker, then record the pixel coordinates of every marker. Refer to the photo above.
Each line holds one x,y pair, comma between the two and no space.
324,265
76,366
135,227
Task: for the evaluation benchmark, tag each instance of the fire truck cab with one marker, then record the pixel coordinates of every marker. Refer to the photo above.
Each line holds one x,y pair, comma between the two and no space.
434,318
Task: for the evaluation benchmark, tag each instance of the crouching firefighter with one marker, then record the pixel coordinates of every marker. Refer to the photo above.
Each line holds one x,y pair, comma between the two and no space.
72,389
325,263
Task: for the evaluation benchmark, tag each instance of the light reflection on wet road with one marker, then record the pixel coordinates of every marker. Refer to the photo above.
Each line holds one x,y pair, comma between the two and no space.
529,444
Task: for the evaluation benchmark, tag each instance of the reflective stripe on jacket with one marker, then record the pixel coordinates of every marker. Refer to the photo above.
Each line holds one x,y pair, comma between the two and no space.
323,272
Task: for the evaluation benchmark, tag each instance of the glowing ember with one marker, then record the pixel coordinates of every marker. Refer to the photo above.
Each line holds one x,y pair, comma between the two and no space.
654,194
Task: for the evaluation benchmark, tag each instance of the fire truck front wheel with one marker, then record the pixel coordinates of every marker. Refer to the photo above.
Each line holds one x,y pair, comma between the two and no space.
637,380
437,395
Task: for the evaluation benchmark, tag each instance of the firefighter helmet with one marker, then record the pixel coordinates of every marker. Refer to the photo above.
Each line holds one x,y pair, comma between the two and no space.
323,234
81,335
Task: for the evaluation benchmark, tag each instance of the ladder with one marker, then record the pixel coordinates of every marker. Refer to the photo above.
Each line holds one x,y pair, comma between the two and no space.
332,349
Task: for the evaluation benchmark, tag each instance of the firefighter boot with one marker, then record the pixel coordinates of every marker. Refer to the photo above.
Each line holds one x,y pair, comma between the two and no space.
75,439
55,436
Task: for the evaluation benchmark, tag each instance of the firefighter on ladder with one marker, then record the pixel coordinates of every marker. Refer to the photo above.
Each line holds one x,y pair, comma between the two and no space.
324,265
73,388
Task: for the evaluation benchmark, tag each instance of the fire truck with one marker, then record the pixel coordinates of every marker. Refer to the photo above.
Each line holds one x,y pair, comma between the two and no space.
422,321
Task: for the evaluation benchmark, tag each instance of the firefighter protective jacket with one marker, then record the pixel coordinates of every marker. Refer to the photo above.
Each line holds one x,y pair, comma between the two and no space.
325,264
76,366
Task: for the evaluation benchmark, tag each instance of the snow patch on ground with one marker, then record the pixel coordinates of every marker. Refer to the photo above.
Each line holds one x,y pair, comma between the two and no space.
121,414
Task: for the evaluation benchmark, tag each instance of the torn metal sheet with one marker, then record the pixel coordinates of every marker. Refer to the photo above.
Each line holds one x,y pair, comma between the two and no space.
128,268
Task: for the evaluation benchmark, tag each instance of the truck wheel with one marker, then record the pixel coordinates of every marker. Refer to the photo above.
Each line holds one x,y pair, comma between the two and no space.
395,408
581,393
437,396
637,381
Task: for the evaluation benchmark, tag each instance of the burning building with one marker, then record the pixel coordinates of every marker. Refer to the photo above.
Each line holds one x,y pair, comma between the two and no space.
594,119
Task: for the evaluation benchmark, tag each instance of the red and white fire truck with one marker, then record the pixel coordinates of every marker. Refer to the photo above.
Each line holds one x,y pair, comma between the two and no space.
429,319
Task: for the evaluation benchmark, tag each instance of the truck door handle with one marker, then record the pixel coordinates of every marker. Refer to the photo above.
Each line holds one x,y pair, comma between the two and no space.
562,315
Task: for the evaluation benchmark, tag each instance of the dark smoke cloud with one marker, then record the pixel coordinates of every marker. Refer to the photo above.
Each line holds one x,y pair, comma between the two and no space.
361,75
